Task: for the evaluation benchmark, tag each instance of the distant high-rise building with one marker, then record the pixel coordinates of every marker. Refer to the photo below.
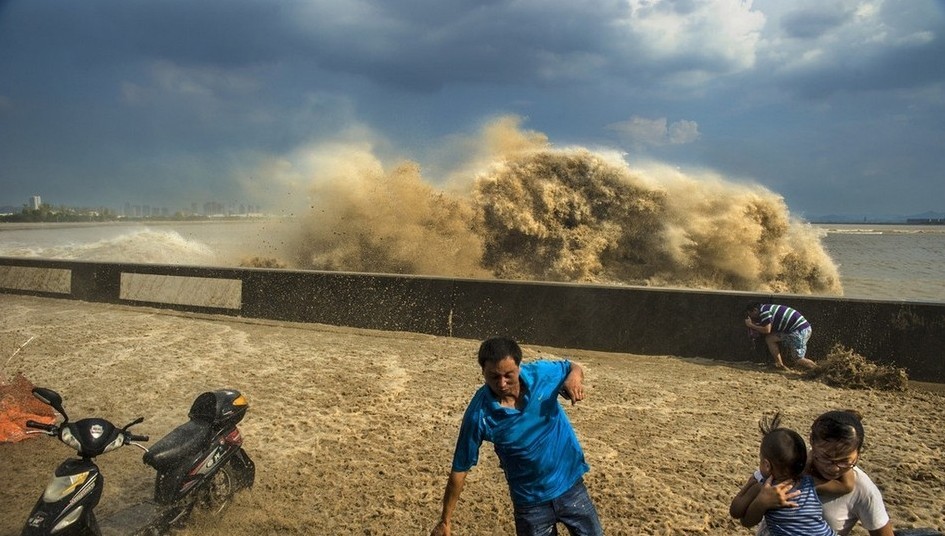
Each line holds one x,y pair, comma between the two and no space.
216,209
35,202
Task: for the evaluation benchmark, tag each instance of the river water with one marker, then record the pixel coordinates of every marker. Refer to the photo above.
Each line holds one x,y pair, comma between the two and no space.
881,262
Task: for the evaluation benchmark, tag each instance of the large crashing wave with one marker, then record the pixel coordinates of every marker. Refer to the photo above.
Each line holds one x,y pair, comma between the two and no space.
576,216
540,213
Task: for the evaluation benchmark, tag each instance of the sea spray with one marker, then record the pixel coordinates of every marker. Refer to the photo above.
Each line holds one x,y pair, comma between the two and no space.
393,222
541,213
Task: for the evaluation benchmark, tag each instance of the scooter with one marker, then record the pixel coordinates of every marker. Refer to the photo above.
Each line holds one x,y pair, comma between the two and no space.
200,465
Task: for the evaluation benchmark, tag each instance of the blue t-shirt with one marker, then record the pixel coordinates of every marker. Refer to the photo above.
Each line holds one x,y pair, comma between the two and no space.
537,447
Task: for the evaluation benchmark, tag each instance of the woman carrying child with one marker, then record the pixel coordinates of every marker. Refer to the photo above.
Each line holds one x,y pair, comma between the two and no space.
782,462
836,440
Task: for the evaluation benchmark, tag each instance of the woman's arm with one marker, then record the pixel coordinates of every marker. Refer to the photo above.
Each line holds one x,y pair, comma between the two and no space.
840,486
744,497
886,530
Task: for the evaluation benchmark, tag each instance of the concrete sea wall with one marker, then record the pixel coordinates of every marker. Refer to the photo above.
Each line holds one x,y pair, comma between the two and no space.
640,320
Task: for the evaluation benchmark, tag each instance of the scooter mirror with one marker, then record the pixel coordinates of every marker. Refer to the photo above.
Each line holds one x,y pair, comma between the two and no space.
51,398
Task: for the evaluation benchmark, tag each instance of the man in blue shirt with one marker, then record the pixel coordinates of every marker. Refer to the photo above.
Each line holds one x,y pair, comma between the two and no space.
517,410
781,324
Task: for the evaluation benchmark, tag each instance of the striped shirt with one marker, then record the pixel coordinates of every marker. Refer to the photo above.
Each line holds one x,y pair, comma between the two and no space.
805,520
782,318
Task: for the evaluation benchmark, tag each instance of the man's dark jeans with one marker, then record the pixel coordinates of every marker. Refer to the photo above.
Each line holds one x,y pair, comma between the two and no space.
573,509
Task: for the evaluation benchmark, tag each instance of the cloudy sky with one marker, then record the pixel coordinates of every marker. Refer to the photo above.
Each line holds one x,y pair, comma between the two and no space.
837,105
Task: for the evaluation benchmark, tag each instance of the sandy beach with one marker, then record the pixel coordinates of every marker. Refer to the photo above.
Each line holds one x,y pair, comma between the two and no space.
352,431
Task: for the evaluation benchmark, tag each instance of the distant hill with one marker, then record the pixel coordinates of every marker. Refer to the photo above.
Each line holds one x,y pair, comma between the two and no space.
875,218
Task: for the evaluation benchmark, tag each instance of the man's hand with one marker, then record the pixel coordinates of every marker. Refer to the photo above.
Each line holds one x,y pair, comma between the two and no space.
441,529
574,393
573,387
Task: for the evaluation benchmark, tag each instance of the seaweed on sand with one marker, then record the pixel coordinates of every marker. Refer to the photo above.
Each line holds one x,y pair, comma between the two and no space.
845,368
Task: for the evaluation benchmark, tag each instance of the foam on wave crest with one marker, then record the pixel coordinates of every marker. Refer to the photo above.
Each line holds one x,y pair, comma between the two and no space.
139,246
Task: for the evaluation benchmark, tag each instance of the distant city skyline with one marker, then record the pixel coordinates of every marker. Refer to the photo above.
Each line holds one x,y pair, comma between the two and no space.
144,210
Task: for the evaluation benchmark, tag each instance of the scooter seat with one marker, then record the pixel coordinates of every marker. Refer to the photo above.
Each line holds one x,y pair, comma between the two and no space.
181,443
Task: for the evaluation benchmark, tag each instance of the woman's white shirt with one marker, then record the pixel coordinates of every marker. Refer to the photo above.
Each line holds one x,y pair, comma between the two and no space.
863,504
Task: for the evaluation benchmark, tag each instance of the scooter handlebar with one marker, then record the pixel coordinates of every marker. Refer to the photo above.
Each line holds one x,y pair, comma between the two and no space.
48,428
134,437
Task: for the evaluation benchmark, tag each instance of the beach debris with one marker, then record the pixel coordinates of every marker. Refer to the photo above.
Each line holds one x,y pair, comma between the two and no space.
843,367
17,405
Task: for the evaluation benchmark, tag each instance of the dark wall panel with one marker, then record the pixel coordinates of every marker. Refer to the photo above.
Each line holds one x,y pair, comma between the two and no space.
638,320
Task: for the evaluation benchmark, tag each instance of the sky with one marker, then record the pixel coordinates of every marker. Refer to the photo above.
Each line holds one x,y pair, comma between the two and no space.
836,105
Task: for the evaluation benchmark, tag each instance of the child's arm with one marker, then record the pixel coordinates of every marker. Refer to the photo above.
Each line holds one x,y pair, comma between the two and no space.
840,486
744,497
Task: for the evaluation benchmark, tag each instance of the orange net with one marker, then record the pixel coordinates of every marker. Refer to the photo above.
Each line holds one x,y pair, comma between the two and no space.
17,405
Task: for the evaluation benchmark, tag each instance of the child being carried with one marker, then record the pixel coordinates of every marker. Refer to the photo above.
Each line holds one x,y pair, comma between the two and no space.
783,462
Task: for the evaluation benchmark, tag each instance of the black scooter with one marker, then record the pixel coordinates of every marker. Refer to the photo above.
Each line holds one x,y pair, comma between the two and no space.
199,464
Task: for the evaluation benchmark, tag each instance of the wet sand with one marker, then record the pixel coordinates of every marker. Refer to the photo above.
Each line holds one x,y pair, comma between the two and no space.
352,431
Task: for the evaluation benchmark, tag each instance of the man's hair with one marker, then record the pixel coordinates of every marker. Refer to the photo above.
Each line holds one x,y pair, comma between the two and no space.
752,306
783,447
498,348
841,426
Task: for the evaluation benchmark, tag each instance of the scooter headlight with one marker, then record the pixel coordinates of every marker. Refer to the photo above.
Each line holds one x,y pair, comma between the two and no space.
65,435
62,486
117,442
68,520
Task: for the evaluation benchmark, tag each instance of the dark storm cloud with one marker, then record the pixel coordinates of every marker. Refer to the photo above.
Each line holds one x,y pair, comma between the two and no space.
418,45
904,49
812,23
904,68
106,99
224,33
426,45
414,45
